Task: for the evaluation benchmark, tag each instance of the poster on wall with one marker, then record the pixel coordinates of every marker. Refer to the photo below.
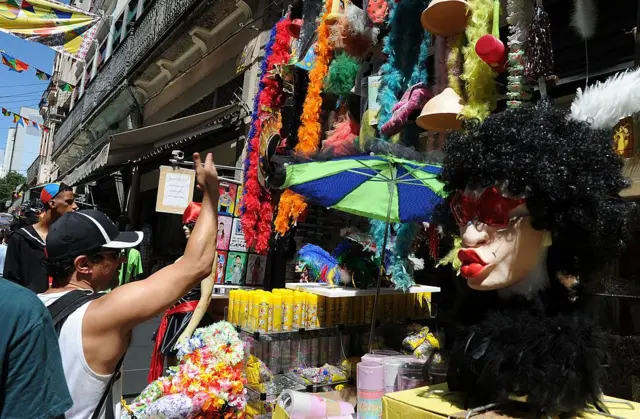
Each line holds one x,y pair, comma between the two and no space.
236,264
256,270
224,232
175,189
238,207
237,237
222,262
227,200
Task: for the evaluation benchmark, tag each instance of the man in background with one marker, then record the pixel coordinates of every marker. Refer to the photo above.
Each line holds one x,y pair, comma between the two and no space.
24,263
32,382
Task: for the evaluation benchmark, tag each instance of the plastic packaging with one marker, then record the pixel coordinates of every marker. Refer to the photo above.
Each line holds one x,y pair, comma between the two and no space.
410,375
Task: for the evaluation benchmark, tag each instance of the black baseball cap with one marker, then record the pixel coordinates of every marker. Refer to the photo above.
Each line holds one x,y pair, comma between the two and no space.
86,231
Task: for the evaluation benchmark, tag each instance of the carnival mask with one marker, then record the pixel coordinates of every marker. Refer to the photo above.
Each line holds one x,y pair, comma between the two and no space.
499,246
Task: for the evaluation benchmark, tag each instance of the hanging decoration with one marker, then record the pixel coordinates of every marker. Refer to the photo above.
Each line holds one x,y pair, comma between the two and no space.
257,211
292,205
407,58
519,13
64,28
13,63
478,77
539,51
19,119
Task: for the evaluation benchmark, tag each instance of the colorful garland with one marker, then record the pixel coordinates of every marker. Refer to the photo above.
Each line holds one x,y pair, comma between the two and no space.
519,18
257,211
291,204
478,76
208,382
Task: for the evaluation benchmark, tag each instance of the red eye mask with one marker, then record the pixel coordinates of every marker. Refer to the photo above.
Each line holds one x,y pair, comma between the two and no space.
491,208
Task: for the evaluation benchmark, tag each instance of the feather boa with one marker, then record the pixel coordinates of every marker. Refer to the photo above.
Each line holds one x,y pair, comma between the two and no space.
397,264
258,211
291,204
454,64
477,75
407,59
341,141
342,75
620,92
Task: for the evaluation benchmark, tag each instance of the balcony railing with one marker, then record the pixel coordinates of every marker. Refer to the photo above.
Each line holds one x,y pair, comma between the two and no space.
158,19
32,171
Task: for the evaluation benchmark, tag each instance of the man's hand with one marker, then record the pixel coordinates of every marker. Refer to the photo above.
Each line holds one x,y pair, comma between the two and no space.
206,175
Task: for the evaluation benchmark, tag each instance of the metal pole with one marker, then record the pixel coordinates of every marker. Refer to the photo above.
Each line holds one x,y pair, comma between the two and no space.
637,35
381,270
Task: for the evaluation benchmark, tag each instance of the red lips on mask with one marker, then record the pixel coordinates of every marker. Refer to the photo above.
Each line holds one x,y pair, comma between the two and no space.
472,264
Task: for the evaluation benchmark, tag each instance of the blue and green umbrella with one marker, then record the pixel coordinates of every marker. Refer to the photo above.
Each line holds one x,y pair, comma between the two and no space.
381,187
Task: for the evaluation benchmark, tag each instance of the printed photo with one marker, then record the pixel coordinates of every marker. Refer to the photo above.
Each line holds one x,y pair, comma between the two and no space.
224,232
237,237
256,269
236,264
236,210
222,262
227,200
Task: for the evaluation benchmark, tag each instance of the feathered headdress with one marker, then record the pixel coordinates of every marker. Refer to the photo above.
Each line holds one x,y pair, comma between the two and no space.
320,265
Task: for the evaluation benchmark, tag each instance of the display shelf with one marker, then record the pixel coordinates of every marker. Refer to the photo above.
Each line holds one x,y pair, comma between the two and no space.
242,287
304,333
336,292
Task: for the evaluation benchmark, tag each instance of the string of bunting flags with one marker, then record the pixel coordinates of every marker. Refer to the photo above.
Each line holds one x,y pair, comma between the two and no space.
25,122
20,66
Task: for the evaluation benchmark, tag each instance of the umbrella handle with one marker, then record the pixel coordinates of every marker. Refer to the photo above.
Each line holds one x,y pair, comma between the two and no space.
381,270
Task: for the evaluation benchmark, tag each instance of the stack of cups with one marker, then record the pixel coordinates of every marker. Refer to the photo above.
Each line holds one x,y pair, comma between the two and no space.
370,389
410,375
391,366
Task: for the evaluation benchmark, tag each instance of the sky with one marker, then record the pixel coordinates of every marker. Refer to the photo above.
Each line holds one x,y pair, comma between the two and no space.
22,89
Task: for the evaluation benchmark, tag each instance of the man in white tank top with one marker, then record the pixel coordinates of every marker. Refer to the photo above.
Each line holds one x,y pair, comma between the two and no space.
84,253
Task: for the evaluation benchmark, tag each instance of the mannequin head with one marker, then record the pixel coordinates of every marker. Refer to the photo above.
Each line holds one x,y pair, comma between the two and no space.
189,217
534,195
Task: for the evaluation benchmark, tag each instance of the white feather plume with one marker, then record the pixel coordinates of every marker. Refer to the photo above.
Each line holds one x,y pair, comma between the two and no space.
606,103
584,18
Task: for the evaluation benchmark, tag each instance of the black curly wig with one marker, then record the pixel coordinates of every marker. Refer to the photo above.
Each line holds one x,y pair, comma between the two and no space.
569,172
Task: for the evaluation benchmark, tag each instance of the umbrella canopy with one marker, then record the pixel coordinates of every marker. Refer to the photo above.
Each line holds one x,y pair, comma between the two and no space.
382,187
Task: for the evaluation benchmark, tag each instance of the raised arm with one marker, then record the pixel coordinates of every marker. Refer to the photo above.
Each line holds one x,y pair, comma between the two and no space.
206,289
131,304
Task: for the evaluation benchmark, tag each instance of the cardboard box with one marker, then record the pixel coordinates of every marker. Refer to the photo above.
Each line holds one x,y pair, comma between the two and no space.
420,404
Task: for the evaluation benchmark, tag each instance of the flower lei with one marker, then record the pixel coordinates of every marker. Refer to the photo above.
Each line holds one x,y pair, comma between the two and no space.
257,211
210,377
291,204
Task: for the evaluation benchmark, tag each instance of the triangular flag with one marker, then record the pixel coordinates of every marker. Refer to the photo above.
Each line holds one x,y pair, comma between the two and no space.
42,75
27,6
35,124
45,129
16,118
25,121
66,87
13,63
6,112
62,14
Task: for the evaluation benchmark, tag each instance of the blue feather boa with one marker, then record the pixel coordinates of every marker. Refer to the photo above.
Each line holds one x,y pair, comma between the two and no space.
396,261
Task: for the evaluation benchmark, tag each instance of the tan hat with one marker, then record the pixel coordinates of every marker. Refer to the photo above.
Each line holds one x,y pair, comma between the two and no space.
445,17
440,114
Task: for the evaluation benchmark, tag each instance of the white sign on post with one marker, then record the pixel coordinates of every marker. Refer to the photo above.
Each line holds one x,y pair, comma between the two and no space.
175,189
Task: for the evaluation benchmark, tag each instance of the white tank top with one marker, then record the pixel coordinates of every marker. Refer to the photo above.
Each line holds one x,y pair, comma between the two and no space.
85,385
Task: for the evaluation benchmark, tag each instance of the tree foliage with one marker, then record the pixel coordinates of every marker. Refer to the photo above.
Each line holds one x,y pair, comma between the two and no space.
8,185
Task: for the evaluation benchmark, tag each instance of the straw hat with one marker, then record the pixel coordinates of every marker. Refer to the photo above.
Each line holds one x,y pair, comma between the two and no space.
445,17
441,113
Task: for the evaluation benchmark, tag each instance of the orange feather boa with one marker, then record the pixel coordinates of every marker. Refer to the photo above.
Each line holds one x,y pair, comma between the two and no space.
291,204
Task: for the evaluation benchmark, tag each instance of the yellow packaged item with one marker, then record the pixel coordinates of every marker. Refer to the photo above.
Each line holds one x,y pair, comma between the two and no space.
230,310
243,311
287,312
298,302
276,319
312,311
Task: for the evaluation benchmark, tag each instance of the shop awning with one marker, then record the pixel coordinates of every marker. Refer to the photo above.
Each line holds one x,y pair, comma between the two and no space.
130,145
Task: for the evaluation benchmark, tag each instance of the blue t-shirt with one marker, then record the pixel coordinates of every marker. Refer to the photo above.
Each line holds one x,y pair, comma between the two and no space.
32,380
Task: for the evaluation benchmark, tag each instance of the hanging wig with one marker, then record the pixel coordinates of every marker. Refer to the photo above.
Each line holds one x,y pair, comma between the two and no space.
342,75
341,141
258,211
291,205
478,75
406,57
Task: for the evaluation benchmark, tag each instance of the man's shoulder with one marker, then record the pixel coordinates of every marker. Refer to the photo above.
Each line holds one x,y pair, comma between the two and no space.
19,305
